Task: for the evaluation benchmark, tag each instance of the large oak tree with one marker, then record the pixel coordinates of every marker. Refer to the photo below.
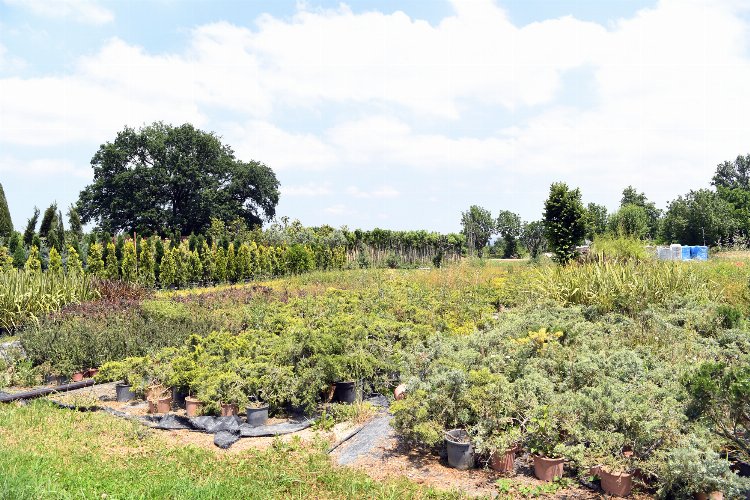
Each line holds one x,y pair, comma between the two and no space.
163,178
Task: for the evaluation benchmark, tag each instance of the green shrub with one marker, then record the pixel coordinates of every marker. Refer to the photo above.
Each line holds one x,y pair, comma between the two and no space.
299,259
729,316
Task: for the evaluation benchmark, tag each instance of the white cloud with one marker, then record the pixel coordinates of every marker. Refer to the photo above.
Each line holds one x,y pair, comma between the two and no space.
84,11
381,192
43,167
282,150
337,209
311,189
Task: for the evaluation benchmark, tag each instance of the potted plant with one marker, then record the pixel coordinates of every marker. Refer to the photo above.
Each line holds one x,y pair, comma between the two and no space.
224,393
122,372
695,470
545,442
503,448
614,479
258,386
497,430
459,448
193,406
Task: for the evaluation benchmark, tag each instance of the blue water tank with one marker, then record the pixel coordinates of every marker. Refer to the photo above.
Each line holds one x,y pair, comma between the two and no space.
702,253
686,252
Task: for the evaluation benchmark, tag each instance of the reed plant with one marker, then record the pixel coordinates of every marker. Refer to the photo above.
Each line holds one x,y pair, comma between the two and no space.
25,296
625,286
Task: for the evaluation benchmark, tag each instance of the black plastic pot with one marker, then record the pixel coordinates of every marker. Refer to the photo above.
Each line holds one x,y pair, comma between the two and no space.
178,396
124,394
56,379
345,392
257,416
460,451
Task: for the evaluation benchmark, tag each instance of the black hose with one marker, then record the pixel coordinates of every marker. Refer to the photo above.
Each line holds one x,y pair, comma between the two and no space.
44,391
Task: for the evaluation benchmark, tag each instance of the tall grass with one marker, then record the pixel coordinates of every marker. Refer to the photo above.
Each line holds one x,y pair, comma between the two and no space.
24,296
627,287
606,247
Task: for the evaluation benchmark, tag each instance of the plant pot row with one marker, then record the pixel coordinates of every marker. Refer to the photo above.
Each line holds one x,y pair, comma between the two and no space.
160,401
461,456
82,374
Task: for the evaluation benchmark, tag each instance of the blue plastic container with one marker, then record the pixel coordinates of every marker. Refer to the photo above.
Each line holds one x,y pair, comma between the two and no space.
702,253
685,252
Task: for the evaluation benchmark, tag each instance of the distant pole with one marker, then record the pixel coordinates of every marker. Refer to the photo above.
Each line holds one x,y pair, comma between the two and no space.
704,236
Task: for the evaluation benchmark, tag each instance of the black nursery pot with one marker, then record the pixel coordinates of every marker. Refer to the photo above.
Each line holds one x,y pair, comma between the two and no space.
178,396
124,394
257,416
345,392
460,451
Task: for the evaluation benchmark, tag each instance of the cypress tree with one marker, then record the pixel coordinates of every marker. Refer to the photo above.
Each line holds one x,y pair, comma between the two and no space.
95,263
253,269
14,242
129,263
28,234
231,264
6,261
19,257
168,269
158,254
119,247
220,276
56,233
196,267
75,268
207,261
263,261
55,262
243,262
182,263
146,272
76,227
47,220
112,267
33,264
6,224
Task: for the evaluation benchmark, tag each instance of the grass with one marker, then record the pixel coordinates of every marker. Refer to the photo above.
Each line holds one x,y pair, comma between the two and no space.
52,453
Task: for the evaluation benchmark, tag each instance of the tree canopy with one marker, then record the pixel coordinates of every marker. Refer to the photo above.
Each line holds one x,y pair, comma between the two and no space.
564,220
699,218
164,178
478,227
632,197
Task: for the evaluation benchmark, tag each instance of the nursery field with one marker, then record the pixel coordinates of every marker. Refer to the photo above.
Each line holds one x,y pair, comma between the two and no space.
634,367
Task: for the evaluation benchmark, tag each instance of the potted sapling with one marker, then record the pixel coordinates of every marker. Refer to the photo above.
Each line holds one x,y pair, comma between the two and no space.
259,388
615,471
346,370
544,439
696,471
124,374
497,431
224,393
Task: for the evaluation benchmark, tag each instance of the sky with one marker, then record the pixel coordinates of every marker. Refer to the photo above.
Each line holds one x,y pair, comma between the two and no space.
392,114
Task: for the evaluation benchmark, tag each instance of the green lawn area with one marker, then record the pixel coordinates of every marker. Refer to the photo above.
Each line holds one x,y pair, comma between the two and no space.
47,452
